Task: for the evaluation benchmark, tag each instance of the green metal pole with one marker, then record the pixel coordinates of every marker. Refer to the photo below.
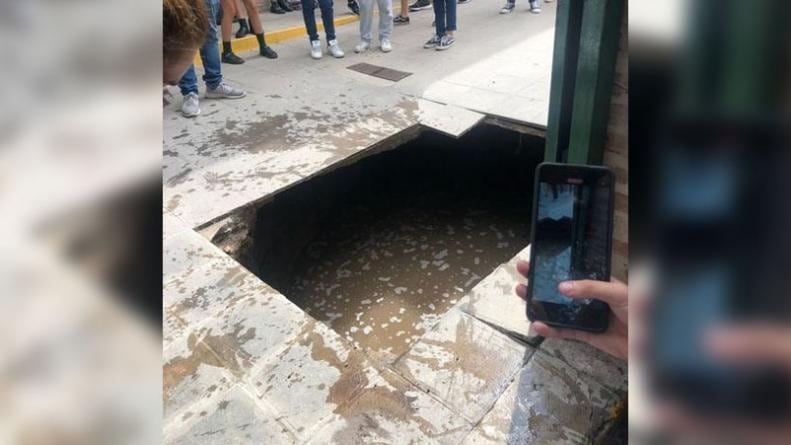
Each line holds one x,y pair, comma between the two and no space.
564,66
599,36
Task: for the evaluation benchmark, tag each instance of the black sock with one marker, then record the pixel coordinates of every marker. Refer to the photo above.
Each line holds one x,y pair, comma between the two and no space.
243,23
226,47
261,41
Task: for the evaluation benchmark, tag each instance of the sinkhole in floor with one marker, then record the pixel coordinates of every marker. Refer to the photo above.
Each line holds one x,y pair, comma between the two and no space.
379,249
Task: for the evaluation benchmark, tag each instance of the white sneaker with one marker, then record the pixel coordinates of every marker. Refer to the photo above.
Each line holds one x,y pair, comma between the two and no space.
535,7
334,49
315,49
362,46
191,106
225,91
386,46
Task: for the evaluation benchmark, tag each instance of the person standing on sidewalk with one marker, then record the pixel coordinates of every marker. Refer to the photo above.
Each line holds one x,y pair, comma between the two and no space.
353,7
327,18
385,24
445,23
403,18
183,32
241,18
264,50
535,6
419,5
216,88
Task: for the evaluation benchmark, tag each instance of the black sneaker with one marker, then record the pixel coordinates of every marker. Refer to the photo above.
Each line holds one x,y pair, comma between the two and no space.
268,52
232,58
276,9
353,7
400,20
243,29
284,5
420,4
445,42
432,42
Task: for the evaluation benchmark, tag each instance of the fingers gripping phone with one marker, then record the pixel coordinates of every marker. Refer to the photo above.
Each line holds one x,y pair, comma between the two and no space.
571,238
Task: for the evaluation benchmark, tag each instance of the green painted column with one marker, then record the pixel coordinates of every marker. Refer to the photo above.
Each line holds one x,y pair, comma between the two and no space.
599,35
564,66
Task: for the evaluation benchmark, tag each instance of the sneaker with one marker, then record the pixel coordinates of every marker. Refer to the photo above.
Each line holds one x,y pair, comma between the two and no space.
535,8
191,106
445,42
461,2
386,46
400,20
335,49
315,49
419,4
362,47
268,52
508,8
432,42
353,7
225,91
284,5
232,58
276,9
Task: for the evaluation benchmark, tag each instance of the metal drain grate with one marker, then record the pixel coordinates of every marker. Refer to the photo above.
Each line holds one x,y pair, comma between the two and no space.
379,71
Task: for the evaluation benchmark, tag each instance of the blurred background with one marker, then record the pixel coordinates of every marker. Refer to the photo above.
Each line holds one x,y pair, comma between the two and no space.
710,342
80,199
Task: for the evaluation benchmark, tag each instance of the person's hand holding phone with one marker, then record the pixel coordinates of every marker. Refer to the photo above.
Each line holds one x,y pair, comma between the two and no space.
744,345
615,339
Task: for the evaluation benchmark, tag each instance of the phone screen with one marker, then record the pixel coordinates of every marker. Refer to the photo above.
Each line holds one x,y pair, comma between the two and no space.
572,227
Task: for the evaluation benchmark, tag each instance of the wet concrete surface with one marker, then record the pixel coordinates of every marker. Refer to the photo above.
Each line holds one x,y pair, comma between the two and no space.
380,249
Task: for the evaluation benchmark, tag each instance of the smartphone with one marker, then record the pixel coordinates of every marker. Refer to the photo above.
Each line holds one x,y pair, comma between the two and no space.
571,238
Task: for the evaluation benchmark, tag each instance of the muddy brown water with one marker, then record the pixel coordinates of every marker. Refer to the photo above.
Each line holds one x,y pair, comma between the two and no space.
379,250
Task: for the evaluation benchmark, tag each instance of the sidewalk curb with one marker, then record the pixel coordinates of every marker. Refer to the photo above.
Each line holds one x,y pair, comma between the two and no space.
249,42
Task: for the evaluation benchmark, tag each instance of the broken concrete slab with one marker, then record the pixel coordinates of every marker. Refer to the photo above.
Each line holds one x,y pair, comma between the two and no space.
310,378
464,362
171,225
494,301
192,373
230,417
242,319
448,119
547,403
186,252
392,410
172,329
600,366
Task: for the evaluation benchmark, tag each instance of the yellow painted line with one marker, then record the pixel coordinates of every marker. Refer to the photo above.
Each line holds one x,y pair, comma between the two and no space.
249,42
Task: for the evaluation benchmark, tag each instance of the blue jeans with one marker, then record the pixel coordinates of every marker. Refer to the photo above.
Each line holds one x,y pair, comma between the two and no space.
445,16
209,55
326,17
